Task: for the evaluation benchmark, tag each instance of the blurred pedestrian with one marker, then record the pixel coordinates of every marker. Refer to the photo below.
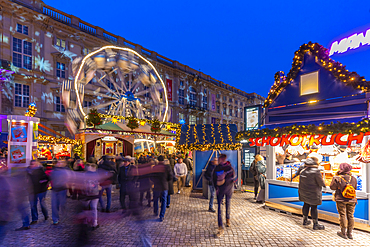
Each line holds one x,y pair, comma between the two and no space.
261,173
255,173
125,181
40,183
6,201
170,185
78,166
172,160
59,178
223,180
160,177
208,175
346,203
108,166
144,182
189,165
22,188
310,192
180,172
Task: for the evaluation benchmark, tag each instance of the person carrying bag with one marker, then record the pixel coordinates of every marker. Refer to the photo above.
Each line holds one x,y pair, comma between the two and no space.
345,185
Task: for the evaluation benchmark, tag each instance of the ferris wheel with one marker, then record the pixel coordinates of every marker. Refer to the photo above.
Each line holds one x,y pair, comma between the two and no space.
128,86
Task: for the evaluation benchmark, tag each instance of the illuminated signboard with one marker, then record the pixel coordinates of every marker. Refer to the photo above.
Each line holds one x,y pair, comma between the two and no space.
252,117
352,42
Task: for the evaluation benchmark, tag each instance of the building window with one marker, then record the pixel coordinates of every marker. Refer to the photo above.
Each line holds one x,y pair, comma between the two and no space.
21,95
61,70
224,98
181,96
218,96
309,83
86,51
22,29
87,103
205,99
236,112
59,107
231,111
224,112
241,113
230,100
213,120
22,53
236,102
218,109
204,120
61,43
181,83
192,120
193,96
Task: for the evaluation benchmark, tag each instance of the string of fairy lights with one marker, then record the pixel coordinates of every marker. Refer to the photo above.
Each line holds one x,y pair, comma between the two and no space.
311,129
57,140
322,57
225,144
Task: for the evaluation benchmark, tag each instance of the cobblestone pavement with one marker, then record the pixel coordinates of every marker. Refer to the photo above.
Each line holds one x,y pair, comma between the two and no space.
187,223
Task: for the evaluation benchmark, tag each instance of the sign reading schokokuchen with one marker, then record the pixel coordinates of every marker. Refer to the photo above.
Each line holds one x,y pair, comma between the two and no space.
296,140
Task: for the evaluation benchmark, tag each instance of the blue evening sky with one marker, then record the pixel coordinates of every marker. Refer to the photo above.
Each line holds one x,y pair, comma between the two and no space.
240,42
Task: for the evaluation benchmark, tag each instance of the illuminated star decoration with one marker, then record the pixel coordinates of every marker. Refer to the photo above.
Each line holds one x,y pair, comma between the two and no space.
114,120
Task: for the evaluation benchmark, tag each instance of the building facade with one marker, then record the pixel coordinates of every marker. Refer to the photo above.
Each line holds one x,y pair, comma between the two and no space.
39,44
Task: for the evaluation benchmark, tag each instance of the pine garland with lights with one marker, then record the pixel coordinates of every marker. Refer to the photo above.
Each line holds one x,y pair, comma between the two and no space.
141,121
132,123
322,56
31,111
155,126
93,118
311,129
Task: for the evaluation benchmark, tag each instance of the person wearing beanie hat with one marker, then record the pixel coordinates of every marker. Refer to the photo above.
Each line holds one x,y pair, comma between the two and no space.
310,192
345,206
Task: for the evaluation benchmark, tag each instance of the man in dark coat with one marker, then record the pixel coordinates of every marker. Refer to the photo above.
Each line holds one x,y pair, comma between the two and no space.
223,180
254,171
310,192
127,183
108,166
161,176
170,185
208,175
145,183
39,182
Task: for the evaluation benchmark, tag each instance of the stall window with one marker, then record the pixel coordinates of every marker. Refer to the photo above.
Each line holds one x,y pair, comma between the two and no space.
309,83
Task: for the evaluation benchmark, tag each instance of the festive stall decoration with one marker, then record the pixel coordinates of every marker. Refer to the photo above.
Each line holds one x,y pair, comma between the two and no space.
364,155
141,121
31,111
93,118
155,126
55,140
322,56
311,129
132,123
207,137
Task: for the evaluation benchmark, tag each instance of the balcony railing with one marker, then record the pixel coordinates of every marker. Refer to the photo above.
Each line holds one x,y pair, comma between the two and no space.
195,107
86,28
56,15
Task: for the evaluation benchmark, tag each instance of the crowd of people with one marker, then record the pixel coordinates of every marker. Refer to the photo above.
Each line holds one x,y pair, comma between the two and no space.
310,188
153,178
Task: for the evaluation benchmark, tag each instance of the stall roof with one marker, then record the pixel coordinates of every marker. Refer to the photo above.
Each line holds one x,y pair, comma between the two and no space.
344,120
109,126
201,135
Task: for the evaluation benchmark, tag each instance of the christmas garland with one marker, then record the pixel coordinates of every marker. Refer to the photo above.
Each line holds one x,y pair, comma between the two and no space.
132,123
311,129
155,126
322,55
93,118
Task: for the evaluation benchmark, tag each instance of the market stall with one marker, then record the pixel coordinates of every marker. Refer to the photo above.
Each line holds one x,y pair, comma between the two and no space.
208,141
318,109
